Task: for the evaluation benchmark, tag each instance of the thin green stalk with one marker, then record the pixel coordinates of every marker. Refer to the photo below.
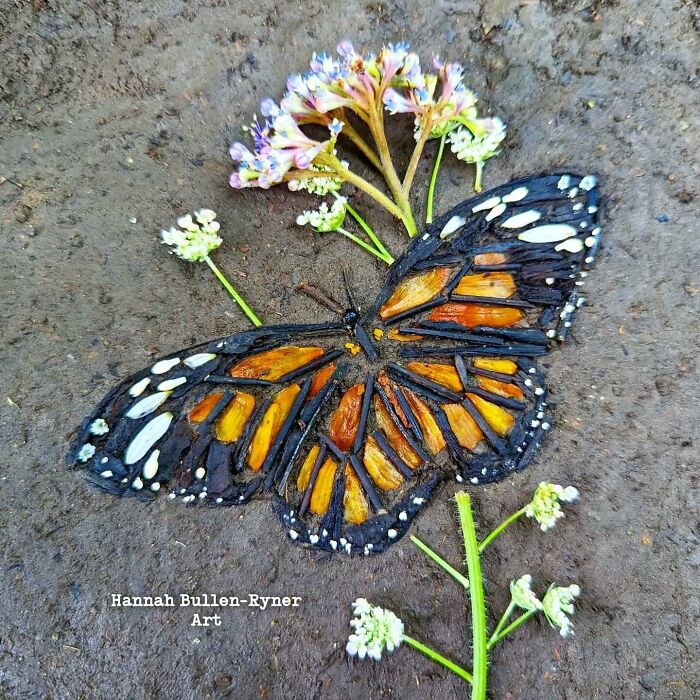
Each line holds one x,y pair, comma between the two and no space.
433,178
503,621
366,246
415,157
497,531
511,628
476,593
229,287
441,562
352,135
368,230
439,658
479,173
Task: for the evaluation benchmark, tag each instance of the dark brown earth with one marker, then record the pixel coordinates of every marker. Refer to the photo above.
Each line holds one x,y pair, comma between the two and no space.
117,110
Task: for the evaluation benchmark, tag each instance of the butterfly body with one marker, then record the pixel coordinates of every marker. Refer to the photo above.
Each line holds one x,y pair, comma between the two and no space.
351,425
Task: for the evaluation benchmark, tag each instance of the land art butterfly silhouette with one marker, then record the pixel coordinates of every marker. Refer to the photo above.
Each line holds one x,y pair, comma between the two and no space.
351,425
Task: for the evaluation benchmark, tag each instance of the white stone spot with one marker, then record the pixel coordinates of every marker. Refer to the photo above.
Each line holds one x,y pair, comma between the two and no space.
170,384
426,236
589,260
578,206
202,495
516,195
147,405
580,302
540,415
452,225
474,480
324,533
535,424
165,365
370,546
546,426
201,358
595,231
150,468
539,391
489,203
137,484
564,182
313,539
549,280
147,437
419,501
393,534
86,452
459,478
403,515
293,534
567,324
551,333
592,209
172,496
523,219
588,182
139,387
200,473
219,500
528,382
104,460
532,370
495,212
572,245
550,233
155,486
333,544
583,224
590,241
343,541
573,192
107,473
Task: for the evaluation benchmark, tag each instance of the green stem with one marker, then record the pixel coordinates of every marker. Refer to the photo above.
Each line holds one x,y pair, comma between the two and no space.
433,178
352,135
441,562
415,157
368,230
497,531
439,658
511,628
229,287
366,246
476,593
479,173
503,621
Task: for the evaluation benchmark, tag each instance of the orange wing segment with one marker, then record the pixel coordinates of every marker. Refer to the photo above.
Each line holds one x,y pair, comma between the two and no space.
489,259
202,409
398,337
323,488
354,501
415,291
396,440
320,379
230,425
382,471
498,418
501,388
496,365
446,375
273,364
463,426
499,285
346,418
431,432
304,475
471,315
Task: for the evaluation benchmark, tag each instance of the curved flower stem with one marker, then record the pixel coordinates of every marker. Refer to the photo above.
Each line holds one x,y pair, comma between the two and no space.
479,172
497,531
511,628
229,288
368,230
439,658
364,245
441,562
476,593
352,135
503,621
433,178
415,157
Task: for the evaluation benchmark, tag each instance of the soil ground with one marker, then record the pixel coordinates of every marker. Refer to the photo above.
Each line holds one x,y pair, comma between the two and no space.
115,117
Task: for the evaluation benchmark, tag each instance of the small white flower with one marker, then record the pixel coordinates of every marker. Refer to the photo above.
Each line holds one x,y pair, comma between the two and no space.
557,604
545,507
522,595
197,240
99,427
477,149
205,216
86,452
320,186
171,237
375,628
325,218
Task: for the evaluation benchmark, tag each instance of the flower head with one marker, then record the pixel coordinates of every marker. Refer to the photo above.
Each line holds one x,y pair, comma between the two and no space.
522,595
325,218
375,628
86,452
557,604
480,141
318,185
197,238
545,507
98,427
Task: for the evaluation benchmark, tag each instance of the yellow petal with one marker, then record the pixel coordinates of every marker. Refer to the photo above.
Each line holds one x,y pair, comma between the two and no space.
230,424
498,418
273,364
323,488
384,474
415,291
463,425
354,501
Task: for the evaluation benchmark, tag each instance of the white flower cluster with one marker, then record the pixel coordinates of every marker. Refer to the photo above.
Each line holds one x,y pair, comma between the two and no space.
198,237
477,149
522,594
375,628
545,507
320,186
557,604
325,218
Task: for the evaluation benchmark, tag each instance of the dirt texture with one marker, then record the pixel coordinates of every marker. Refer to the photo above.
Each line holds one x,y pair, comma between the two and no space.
115,118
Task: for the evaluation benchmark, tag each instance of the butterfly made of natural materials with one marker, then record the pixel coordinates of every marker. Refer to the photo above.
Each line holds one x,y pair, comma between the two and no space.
349,426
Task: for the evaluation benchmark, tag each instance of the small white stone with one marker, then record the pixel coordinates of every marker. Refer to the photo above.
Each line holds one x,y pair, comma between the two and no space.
573,192
564,182
595,231
392,533
147,405
155,486
324,533
580,302
528,382
348,548
523,219
104,460
583,224
489,203
551,333
200,473
459,478
150,468
343,541
333,544
403,515
516,195
426,236
456,222
495,212
567,324
313,539
293,534
201,358
137,484
202,495
572,245
590,241
172,496
418,501
592,209
165,365
588,182
532,370
550,233
474,480
540,415
170,384
578,206
546,426
219,500
588,260
535,424
549,280
539,391
106,474
139,387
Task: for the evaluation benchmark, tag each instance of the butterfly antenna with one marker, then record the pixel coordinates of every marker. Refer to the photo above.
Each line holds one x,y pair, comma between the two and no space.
349,291
320,298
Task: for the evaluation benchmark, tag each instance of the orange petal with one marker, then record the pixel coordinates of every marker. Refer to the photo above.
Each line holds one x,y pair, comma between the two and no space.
446,375
320,379
305,471
428,425
489,259
501,388
229,427
495,365
388,387
346,418
471,315
463,425
273,364
384,474
204,407
270,425
499,285
354,501
415,291
394,334
323,488
393,435
498,418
